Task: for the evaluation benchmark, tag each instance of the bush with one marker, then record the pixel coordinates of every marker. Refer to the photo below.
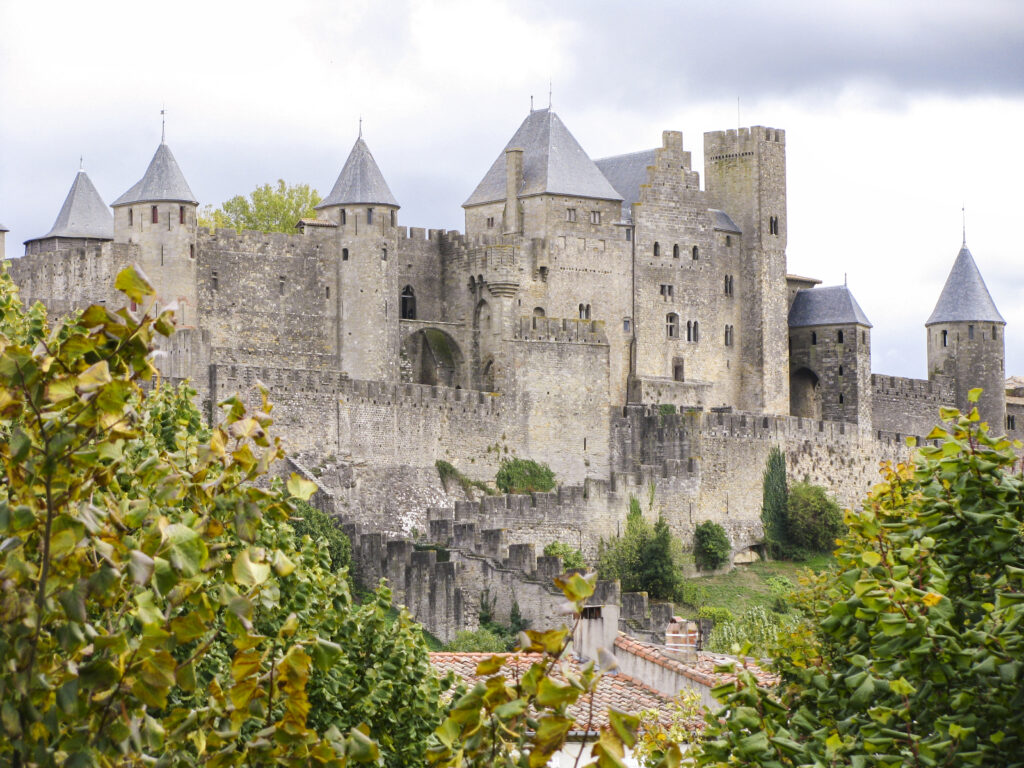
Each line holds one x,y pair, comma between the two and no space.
813,521
571,558
711,546
716,613
524,476
312,522
758,626
692,593
645,559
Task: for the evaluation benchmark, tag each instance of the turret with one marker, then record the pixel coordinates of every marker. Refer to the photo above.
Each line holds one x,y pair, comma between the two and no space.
3,235
965,340
159,215
84,220
366,212
829,356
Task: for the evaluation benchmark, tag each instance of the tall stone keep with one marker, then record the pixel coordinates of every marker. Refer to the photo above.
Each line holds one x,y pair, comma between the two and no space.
158,214
367,217
965,340
745,173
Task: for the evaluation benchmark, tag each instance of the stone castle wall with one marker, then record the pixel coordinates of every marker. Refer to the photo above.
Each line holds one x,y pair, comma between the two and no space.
909,406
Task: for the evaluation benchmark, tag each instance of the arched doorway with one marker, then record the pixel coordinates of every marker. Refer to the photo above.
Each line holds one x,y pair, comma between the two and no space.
407,303
804,394
434,358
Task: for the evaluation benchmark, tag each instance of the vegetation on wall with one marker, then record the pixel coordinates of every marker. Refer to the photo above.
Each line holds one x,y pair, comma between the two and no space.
492,636
448,474
646,558
711,546
268,208
911,650
524,476
571,558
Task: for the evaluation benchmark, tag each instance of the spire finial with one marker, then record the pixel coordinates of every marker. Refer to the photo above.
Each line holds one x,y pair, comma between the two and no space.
360,126
549,93
531,102
163,126
963,216
81,163
844,280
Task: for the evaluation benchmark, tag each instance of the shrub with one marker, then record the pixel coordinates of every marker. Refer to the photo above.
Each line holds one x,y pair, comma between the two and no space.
711,546
692,593
312,522
757,626
571,558
478,641
667,409
644,559
813,521
524,476
716,613
781,590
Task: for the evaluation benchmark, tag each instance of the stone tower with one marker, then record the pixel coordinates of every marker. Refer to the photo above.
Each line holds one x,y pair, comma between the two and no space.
745,174
84,220
3,236
965,340
158,214
366,212
829,356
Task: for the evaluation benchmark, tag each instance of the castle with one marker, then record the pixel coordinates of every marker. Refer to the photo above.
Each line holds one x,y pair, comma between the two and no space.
614,318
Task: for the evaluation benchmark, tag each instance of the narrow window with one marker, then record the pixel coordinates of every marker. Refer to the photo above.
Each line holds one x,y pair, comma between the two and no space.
191,250
408,303
666,291
280,286
181,214
383,254
369,215
727,335
840,370
214,281
657,250
689,330
327,292
696,331
131,217
841,398
595,217
839,337
993,333
696,253
945,338
814,338
392,218
490,222
629,235
626,325
675,251
728,241
570,214
154,214
863,337
581,312
678,369
588,312
672,325
344,254
342,217
970,331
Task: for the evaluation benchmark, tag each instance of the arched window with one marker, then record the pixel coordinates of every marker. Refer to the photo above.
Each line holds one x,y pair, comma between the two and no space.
657,250
369,215
689,330
154,214
341,216
696,331
675,251
131,217
587,311
696,253
672,325
538,311
582,312
408,303
383,254
839,337
945,338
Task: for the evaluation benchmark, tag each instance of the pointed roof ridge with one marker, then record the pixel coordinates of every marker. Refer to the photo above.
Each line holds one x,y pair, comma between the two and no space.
553,163
965,296
163,180
826,305
360,181
83,214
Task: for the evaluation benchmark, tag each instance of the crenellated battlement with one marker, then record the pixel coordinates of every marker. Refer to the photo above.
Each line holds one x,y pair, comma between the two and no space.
249,241
940,390
560,330
738,142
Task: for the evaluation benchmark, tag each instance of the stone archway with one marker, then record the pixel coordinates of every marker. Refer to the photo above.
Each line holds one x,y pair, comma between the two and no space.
805,394
434,358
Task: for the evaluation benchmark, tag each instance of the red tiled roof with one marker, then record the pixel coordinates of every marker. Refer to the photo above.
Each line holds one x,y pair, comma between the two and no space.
613,690
701,671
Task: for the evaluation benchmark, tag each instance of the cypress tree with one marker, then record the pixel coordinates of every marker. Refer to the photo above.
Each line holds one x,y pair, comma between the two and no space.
774,502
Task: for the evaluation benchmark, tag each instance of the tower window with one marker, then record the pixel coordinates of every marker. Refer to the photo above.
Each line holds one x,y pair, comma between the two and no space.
696,331
595,217
970,331
490,222
369,215
672,325
840,370
626,325
839,337
728,241
383,254
696,253
342,217
657,250
863,337
1011,421
814,338
392,218
181,214
728,335
841,398
214,281
570,214
191,250
945,338
131,217
280,286
154,214
675,251
584,311
773,225
344,254
666,291
407,302
993,333
629,235
728,285
327,292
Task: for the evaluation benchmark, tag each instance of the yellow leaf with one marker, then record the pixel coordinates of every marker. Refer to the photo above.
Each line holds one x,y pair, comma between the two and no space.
301,488
932,599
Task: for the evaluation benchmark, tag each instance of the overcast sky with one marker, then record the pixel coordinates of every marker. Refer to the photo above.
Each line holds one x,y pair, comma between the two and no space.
897,113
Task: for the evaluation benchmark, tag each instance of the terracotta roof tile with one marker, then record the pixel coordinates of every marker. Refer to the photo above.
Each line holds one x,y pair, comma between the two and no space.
701,671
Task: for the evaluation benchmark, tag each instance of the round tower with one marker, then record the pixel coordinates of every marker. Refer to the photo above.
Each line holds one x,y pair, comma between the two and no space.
965,341
370,300
159,216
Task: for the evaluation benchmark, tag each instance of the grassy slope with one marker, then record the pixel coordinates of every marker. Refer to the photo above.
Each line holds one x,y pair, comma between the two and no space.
746,585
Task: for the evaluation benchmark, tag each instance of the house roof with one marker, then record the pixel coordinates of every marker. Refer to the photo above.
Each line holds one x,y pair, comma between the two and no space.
84,214
965,296
162,181
826,305
701,671
360,181
553,163
617,691
626,173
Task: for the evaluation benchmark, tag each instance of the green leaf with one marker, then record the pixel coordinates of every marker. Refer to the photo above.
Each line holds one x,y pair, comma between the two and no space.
870,558
184,548
248,573
625,726
300,487
146,610
94,377
973,395
132,281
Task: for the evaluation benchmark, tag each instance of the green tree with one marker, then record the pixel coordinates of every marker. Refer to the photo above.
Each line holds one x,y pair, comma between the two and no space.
524,476
774,500
155,600
644,559
571,558
312,522
268,208
711,546
813,519
911,652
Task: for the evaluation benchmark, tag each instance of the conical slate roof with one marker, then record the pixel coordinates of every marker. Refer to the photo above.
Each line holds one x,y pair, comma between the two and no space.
828,305
84,214
553,163
360,181
965,297
163,181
